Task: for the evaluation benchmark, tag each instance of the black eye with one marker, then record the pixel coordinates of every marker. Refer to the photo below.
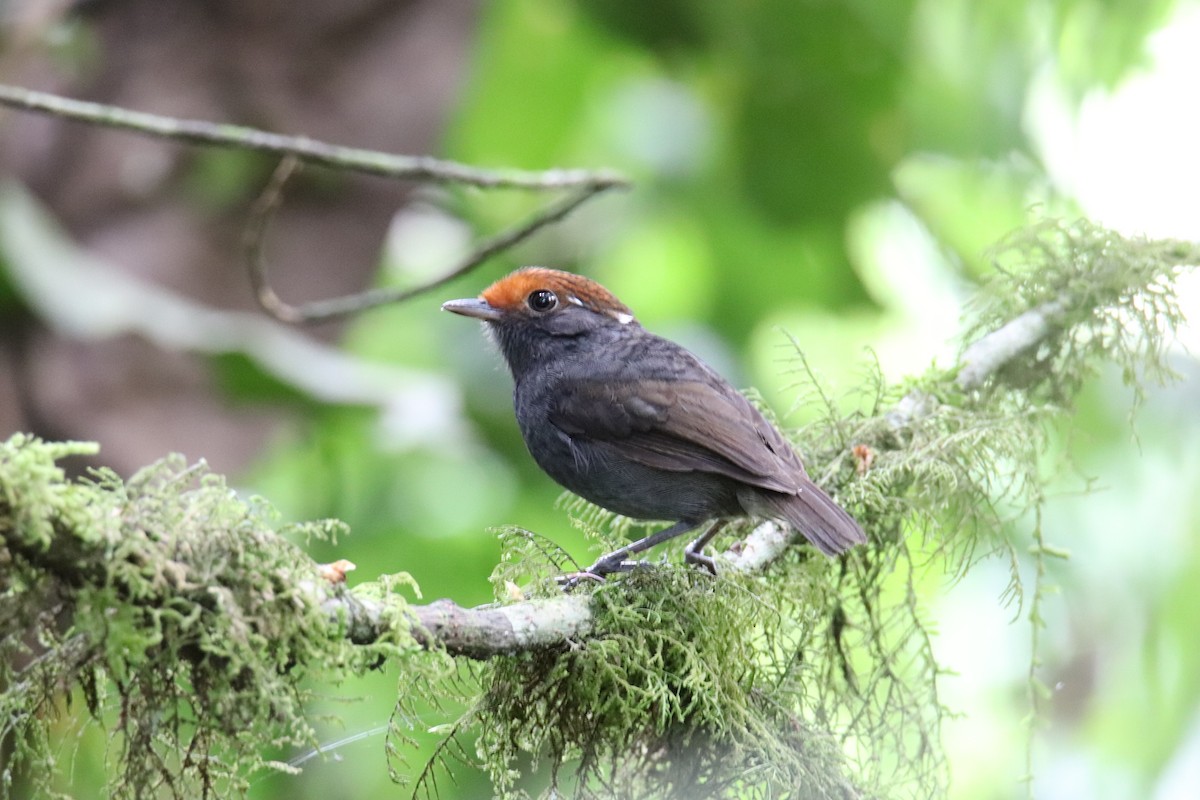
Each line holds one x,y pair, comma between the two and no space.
542,300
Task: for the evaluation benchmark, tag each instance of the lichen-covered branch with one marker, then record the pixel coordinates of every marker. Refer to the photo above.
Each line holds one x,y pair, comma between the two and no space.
980,361
988,354
174,608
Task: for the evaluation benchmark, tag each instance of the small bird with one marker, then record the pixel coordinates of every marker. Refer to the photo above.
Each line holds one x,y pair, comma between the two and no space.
638,425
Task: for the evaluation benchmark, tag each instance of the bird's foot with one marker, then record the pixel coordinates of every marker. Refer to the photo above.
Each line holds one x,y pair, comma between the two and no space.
572,579
698,558
694,552
598,571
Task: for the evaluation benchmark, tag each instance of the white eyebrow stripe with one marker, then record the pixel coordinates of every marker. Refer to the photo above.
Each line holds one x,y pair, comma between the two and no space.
622,317
573,299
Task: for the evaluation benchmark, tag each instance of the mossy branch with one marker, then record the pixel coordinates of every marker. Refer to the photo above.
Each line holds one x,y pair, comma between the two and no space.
982,361
190,611
184,616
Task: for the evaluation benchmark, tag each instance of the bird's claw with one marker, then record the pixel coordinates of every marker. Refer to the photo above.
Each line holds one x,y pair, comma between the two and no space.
599,571
572,579
697,558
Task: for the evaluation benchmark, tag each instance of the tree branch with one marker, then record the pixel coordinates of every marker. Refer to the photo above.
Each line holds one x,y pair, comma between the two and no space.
583,185
488,631
337,307
986,356
310,151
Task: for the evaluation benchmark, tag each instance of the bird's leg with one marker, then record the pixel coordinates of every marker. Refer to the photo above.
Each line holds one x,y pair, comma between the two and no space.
617,561
694,552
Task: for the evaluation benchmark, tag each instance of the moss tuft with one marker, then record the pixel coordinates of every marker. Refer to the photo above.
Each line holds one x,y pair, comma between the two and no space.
179,614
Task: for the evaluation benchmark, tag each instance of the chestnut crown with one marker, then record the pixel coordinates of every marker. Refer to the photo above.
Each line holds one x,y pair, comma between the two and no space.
541,291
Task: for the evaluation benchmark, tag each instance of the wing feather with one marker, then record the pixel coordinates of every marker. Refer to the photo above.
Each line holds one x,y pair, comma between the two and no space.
681,426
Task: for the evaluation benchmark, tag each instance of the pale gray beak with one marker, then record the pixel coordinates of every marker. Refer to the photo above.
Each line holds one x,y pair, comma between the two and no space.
472,307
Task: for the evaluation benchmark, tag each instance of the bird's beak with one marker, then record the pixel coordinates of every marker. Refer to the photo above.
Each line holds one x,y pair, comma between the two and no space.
473,307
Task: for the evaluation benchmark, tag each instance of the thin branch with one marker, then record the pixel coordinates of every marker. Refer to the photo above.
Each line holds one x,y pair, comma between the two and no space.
337,307
310,151
297,150
982,359
986,356
255,235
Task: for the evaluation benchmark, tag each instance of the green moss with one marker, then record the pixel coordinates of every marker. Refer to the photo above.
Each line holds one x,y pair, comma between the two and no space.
185,620
675,691
1118,290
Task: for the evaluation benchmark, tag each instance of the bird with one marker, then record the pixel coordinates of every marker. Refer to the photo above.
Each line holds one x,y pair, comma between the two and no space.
639,425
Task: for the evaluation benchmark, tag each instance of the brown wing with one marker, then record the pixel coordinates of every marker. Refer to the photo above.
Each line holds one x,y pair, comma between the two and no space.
682,426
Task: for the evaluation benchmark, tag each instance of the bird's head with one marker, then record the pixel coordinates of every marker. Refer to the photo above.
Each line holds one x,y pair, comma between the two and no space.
530,309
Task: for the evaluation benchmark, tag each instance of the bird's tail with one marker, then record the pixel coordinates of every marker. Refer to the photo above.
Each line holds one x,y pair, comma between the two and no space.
813,513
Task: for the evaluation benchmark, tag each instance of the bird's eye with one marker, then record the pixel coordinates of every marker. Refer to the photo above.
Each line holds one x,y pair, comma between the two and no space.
542,300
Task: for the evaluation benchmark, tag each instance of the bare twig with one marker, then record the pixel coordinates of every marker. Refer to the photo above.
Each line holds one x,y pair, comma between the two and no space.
334,308
310,151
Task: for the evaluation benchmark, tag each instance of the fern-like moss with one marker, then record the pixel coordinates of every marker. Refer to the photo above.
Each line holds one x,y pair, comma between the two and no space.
172,607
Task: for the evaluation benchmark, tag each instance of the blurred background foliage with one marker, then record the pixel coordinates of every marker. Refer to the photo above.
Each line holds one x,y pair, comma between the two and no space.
836,169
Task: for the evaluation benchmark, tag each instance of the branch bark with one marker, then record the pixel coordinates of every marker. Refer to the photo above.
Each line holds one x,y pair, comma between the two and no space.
487,631
480,633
